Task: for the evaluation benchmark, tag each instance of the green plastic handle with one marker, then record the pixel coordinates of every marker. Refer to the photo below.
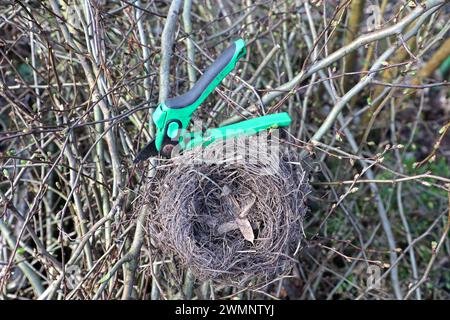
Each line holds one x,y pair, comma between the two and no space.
172,117
243,128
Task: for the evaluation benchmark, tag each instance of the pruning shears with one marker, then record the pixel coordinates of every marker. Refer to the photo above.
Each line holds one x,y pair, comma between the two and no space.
172,117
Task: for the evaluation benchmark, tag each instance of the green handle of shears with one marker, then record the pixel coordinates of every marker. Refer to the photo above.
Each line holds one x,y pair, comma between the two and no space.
243,128
172,116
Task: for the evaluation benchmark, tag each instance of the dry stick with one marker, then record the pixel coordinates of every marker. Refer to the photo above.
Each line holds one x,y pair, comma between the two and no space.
91,42
441,35
87,68
286,56
51,290
73,181
109,137
380,206
382,213
435,61
130,257
401,210
323,147
310,45
167,42
355,262
80,214
15,11
435,252
78,203
331,91
373,117
38,105
436,145
349,216
28,216
40,246
389,181
354,21
410,86
129,273
400,56
371,49
250,22
252,80
328,34
80,284
187,24
326,125
27,219
383,216
389,74
145,58
335,112
405,251
145,50
53,286
361,41
261,66
224,12
408,236
237,22
340,53
30,273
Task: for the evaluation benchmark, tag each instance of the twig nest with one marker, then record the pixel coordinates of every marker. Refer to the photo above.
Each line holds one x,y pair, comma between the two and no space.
229,215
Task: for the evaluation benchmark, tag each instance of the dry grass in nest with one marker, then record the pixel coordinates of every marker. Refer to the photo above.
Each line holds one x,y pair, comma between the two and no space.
229,220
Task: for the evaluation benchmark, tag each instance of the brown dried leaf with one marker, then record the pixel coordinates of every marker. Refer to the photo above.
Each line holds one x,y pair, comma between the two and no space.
239,214
227,227
246,229
247,207
244,224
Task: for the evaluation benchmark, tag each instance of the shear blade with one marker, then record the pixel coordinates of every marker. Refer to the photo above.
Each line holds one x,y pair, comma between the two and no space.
148,151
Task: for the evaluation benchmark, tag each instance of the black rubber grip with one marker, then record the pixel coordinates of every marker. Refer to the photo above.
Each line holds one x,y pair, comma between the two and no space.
208,76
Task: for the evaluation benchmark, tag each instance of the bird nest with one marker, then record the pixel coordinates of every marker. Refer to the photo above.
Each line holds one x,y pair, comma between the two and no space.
229,215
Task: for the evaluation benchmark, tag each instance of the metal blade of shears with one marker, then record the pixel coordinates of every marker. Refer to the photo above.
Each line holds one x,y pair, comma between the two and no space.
148,151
